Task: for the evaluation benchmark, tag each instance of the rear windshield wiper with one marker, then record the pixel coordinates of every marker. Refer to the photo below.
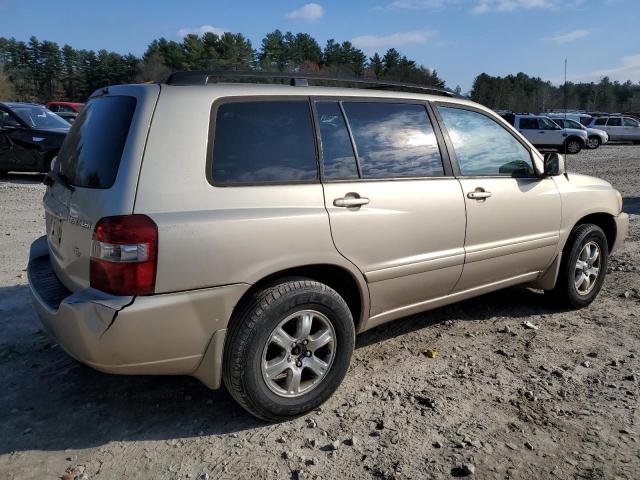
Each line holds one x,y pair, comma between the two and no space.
52,177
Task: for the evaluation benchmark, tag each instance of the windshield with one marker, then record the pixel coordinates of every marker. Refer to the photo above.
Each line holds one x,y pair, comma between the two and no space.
39,117
574,124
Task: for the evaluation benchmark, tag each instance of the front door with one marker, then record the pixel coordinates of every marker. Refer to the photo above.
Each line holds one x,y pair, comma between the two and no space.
395,211
513,216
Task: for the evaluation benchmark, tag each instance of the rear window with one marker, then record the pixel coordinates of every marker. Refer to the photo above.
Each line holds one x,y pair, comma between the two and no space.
91,153
264,142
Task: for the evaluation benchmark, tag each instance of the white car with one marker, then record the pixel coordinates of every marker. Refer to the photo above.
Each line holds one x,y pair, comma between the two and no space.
546,134
595,137
625,129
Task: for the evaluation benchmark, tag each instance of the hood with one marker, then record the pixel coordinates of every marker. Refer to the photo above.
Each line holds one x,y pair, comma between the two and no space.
575,131
61,131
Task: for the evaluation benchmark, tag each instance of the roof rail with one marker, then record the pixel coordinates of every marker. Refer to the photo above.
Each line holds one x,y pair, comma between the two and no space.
201,77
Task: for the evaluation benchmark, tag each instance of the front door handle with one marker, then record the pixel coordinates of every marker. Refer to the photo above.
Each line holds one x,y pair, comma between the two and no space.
479,194
350,200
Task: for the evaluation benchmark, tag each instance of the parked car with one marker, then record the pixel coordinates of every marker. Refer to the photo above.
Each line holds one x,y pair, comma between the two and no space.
582,118
595,137
68,116
249,242
625,129
545,134
30,137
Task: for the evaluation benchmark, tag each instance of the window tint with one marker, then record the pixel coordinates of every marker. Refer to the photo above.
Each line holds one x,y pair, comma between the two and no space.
394,140
528,123
338,159
628,122
482,146
600,121
614,122
91,152
264,142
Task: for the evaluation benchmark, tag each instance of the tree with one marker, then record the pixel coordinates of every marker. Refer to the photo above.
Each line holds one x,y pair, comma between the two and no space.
377,65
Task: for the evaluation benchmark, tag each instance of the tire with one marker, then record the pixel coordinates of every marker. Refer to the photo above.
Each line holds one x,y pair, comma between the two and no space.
593,142
251,346
572,146
566,290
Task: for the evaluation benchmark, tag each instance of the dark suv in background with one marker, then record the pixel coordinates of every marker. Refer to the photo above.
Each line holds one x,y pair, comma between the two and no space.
30,137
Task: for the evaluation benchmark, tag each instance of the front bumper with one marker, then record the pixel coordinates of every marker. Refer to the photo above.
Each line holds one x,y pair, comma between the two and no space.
622,230
164,334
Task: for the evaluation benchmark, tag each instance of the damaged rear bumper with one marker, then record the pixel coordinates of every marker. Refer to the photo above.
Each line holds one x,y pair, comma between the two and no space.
165,334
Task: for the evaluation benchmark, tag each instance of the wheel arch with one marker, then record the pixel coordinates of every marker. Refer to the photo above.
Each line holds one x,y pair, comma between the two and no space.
603,220
353,290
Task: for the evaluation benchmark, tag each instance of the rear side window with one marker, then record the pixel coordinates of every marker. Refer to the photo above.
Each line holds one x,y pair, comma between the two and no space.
263,142
483,147
338,159
91,152
614,122
393,140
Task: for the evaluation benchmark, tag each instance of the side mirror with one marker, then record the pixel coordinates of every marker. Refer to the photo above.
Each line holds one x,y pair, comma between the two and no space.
554,164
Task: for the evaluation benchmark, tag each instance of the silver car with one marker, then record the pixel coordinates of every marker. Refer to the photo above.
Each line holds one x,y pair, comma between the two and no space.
625,129
245,233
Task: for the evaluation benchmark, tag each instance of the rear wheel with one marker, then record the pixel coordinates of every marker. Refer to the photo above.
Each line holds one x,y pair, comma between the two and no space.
288,349
593,142
583,267
572,146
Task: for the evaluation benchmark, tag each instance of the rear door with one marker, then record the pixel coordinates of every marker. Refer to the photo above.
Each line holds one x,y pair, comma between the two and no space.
615,128
395,209
513,216
528,126
97,170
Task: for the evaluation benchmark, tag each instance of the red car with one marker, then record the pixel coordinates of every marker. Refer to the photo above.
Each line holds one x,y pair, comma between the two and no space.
73,107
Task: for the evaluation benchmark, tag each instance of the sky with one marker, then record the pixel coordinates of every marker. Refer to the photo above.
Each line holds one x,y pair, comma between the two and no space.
459,38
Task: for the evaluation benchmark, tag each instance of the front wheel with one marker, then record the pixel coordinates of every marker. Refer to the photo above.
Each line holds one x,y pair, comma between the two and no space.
572,146
593,142
288,349
584,265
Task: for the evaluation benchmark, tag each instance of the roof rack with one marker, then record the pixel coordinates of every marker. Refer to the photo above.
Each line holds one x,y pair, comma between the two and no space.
199,77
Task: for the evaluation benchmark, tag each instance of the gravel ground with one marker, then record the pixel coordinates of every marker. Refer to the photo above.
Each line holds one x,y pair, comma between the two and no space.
498,401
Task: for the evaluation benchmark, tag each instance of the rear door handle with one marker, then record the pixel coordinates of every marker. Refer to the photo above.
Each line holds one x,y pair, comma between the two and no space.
479,194
350,201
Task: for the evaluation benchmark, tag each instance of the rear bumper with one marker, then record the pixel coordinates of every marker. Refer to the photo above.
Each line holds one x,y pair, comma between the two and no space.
622,230
162,334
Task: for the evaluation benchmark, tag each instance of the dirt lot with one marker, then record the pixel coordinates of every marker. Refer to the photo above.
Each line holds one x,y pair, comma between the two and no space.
499,399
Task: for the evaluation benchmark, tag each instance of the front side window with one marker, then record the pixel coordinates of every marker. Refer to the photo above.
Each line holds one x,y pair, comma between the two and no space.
629,122
572,124
614,122
338,159
263,142
547,124
484,147
394,140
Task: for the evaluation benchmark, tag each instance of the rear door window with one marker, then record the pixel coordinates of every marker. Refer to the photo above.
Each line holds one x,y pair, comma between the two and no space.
394,140
600,121
614,122
338,158
91,152
529,124
263,142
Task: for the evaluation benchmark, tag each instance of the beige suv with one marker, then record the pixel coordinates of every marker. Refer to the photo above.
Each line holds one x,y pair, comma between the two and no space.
244,233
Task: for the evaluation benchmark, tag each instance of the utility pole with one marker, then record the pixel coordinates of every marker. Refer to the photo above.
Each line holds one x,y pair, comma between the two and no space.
565,88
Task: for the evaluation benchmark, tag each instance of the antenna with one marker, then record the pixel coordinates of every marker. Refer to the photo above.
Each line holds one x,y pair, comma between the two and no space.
565,89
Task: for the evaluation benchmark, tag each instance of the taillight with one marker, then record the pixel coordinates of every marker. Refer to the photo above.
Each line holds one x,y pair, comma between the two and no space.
124,251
